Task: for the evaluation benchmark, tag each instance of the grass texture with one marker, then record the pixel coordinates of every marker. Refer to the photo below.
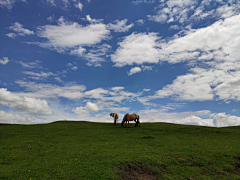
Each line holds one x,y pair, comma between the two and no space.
87,150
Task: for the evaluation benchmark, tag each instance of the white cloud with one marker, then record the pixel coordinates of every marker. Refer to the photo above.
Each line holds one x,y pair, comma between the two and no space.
11,35
221,120
134,70
88,18
113,95
136,2
174,11
74,68
174,27
120,26
7,96
10,118
58,79
146,68
67,37
159,115
50,18
97,54
9,3
79,5
49,91
87,109
117,88
137,48
19,30
194,120
38,76
215,50
200,118
140,21
4,60
35,106
78,51
71,36
181,10
203,84
30,65
52,2
221,37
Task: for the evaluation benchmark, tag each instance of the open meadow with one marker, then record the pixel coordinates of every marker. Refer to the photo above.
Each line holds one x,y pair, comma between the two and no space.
87,150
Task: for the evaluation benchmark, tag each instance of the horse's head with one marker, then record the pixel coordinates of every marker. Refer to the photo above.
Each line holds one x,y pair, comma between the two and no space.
112,114
122,124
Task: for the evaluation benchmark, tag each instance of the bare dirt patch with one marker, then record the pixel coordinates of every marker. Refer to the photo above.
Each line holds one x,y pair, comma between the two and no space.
237,165
137,171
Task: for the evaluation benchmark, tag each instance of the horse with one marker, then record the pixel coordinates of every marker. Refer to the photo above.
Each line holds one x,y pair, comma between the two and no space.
115,116
131,117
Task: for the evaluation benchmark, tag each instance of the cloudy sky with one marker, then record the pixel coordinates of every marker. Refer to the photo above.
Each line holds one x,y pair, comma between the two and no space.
172,61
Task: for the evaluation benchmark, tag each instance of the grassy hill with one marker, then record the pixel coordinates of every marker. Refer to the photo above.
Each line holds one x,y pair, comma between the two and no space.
86,150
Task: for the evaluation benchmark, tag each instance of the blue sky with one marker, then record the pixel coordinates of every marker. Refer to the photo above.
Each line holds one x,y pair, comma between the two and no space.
174,61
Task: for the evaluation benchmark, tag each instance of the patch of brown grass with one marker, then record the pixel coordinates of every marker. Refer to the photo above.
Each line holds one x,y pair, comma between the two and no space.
136,171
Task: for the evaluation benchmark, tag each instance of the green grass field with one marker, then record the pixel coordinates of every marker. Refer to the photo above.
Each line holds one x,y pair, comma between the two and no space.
85,150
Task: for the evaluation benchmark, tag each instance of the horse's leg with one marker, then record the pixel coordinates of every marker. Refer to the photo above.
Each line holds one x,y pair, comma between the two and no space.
138,121
135,122
128,123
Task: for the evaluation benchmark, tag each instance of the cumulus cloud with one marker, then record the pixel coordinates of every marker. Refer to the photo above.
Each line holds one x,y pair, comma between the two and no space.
87,109
221,120
19,30
215,50
4,60
204,84
34,106
11,118
199,118
134,70
120,26
160,115
216,120
7,96
194,120
66,35
137,49
222,38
